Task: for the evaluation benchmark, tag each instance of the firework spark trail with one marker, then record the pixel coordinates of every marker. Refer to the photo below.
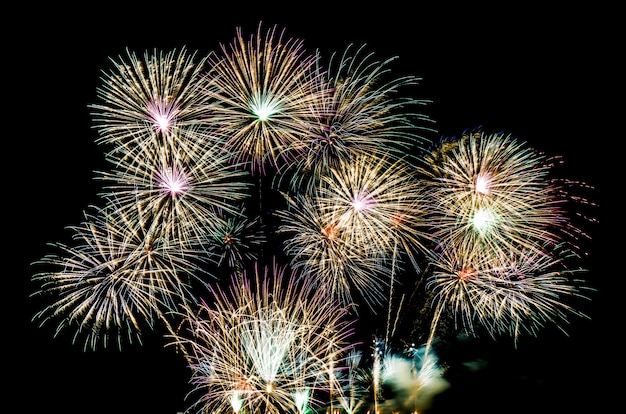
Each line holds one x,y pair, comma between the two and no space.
377,371
263,97
351,383
117,277
238,344
143,99
361,113
396,380
531,292
178,183
415,377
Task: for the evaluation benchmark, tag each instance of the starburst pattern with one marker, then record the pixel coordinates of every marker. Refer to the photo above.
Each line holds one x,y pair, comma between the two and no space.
266,93
521,296
503,255
378,201
142,99
496,191
237,238
363,198
317,244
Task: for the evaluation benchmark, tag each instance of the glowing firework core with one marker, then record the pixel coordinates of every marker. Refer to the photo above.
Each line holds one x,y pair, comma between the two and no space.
483,220
467,274
162,122
228,239
482,184
264,108
330,232
361,203
173,181
162,115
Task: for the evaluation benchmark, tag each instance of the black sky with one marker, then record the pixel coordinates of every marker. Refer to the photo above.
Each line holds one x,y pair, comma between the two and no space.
547,76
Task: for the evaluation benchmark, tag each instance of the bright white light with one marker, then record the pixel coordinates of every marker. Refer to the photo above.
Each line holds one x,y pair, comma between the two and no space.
483,220
358,204
236,402
264,108
482,184
361,202
301,399
162,122
173,181
162,115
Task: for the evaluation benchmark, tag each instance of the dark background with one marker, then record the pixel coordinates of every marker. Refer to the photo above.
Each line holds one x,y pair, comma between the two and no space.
546,75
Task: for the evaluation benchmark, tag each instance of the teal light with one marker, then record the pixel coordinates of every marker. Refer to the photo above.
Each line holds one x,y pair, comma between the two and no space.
264,107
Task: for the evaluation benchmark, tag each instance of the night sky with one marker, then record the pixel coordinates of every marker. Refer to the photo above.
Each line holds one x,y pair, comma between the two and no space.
545,76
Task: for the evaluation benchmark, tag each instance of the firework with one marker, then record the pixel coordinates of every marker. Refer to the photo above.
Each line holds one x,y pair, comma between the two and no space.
495,191
378,201
317,244
178,183
266,93
377,370
351,232
117,278
414,376
268,340
521,296
141,99
352,387
504,254
237,238
364,202
361,114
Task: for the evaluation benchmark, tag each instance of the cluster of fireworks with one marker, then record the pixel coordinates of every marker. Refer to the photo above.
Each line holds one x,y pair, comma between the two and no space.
217,160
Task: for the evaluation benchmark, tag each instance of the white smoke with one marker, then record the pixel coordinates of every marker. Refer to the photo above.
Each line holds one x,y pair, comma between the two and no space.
413,381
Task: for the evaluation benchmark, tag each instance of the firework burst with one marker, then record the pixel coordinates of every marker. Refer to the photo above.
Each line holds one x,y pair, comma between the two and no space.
237,238
378,201
141,99
266,93
317,244
495,191
117,278
268,340
352,231
521,296
504,253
